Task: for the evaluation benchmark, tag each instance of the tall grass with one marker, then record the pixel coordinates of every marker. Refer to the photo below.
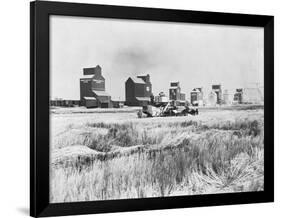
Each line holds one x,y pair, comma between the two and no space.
181,157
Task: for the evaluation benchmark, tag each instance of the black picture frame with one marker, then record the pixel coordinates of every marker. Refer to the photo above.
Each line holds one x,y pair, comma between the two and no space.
39,107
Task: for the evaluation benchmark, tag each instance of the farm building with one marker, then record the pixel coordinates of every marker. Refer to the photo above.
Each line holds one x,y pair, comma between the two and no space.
196,96
90,102
138,90
92,89
117,103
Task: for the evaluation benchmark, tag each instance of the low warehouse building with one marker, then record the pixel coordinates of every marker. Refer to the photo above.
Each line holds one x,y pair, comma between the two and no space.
64,103
90,102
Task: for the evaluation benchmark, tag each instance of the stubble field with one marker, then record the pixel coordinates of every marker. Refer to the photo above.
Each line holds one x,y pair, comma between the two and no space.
111,154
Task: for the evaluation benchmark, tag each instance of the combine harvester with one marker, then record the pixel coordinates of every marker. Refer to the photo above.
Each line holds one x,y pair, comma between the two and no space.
165,110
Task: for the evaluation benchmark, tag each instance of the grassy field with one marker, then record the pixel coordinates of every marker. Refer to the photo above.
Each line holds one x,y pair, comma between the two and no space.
115,155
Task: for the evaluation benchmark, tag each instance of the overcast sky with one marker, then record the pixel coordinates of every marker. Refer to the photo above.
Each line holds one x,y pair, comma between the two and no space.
197,55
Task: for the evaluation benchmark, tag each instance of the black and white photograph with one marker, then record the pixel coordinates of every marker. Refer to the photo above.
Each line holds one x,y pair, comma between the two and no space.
140,108
145,109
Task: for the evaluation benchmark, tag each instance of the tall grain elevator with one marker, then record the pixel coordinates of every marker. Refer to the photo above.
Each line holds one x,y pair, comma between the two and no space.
196,96
92,89
138,90
217,89
175,94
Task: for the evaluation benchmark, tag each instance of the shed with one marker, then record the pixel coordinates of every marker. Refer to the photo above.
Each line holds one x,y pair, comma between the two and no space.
90,102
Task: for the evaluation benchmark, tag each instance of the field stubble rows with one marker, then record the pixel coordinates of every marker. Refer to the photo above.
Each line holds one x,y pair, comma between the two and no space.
115,156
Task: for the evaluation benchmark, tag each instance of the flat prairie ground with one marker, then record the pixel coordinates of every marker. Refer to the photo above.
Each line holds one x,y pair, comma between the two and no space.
102,154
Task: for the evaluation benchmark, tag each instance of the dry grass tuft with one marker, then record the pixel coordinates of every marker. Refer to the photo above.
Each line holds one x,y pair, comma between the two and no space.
134,158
